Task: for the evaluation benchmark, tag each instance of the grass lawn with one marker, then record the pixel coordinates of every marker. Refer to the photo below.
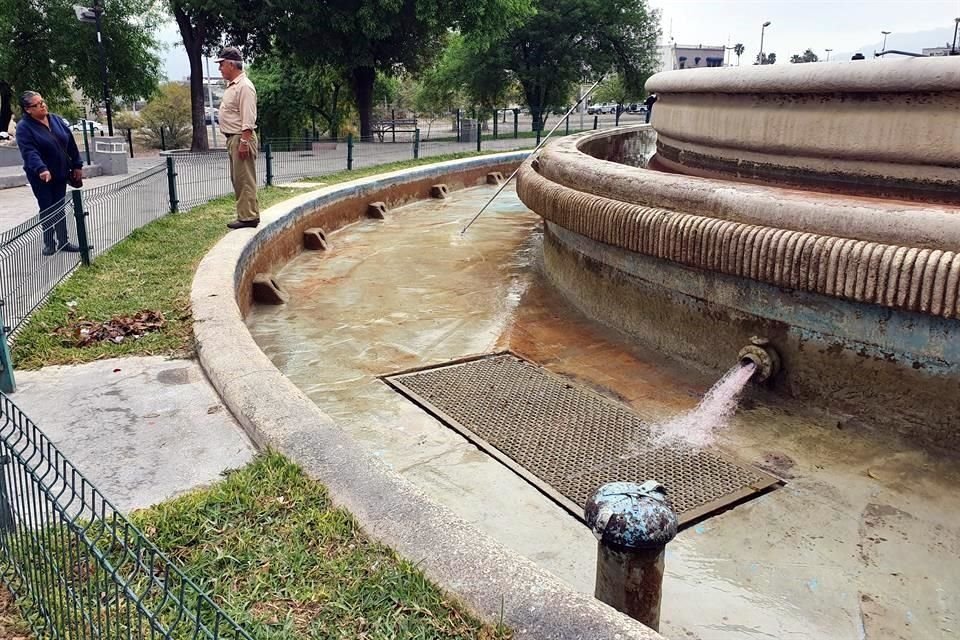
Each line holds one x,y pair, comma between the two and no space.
269,548
151,270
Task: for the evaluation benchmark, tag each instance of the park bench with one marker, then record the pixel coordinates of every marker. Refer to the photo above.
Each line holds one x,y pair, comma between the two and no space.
393,126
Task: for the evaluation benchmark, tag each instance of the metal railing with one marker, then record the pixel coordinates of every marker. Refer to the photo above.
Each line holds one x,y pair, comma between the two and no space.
77,566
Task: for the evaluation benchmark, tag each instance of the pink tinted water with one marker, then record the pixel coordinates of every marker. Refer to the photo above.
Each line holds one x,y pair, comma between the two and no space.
698,428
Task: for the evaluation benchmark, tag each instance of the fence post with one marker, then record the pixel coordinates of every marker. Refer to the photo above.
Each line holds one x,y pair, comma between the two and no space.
516,123
269,159
7,523
393,124
458,125
495,118
163,140
349,152
172,184
130,141
596,120
568,124
81,217
416,143
479,131
86,143
7,383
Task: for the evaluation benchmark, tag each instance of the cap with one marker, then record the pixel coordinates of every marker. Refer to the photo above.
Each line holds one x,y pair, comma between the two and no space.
229,53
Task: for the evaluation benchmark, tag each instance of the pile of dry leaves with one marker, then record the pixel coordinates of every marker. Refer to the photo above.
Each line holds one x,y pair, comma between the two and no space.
82,333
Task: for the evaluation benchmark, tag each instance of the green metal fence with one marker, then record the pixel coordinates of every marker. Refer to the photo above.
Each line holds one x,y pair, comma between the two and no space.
78,568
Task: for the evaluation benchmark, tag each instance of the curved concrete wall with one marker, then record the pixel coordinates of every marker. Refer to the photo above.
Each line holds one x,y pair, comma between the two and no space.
861,298
493,581
884,128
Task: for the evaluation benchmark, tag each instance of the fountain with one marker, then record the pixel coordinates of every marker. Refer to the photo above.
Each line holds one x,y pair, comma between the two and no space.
813,204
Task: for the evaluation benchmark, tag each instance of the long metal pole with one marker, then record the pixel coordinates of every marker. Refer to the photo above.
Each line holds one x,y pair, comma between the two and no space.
953,49
213,118
535,149
762,29
97,12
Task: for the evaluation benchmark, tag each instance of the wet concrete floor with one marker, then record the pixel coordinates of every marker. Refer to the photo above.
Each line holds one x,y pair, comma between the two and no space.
863,540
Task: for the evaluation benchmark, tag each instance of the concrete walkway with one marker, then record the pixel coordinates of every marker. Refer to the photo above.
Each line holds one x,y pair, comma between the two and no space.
141,429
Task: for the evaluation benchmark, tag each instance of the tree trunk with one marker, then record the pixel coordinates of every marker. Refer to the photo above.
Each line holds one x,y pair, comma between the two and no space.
6,109
193,38
362,81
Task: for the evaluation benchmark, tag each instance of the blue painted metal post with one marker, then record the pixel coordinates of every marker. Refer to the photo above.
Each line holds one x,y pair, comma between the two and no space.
416,143
479,134
130,141
458,125
349,152
172,185
81,217
495,114
7,382
568,124
163,141
516,123
596,121
633,524
268,156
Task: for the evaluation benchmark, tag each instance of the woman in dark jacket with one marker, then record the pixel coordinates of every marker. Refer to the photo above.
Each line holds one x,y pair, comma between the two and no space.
50,157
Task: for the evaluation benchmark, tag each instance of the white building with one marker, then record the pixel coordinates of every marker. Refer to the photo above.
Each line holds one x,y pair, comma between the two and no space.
679,56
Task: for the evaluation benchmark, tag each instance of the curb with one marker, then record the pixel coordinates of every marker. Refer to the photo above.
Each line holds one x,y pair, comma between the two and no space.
491,580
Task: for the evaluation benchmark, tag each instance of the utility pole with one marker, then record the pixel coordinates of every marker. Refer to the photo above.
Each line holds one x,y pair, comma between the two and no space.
956,25
94,15
885,34
828,54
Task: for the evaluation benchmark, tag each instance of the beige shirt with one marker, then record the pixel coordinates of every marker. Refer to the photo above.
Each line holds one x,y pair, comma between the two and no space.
238,109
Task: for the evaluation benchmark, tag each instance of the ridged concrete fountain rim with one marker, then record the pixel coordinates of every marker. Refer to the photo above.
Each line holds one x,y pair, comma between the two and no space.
908,278
857,76
489,578
886,222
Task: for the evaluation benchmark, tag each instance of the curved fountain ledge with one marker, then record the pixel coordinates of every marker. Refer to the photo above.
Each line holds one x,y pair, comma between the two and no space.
861,296
491,580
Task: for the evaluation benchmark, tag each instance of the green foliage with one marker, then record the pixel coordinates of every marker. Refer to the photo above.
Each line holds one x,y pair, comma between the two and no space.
768,58
614,89
806,56
567,41
293,96
387,36
169,109
46,47
739,49
127,120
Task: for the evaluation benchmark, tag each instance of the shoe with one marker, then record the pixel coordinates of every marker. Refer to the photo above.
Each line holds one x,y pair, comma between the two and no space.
69,247
243,224
48,250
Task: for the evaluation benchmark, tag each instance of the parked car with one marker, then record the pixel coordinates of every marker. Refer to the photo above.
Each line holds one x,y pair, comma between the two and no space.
602,108
80,125
216,116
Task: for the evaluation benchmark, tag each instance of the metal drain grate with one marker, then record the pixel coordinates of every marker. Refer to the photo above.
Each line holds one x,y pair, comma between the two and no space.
568,440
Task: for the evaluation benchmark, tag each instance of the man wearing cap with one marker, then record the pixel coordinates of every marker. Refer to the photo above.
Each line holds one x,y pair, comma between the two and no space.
238,122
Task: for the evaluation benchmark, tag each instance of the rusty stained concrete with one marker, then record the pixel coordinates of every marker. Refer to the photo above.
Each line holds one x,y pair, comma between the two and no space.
863,541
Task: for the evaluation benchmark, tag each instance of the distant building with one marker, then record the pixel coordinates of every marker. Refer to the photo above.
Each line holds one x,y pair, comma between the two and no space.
936,51
677,56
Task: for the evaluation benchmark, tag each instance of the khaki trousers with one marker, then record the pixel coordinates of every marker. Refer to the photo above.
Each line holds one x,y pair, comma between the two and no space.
243,174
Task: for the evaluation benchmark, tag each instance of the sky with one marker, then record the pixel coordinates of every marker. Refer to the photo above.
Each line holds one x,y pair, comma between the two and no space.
846,26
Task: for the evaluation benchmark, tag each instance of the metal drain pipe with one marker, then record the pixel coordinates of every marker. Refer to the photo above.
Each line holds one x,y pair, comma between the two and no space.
633,524
760,353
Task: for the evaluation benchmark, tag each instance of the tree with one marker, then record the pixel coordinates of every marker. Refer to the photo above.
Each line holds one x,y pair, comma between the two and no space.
739,49
768,58
70,56
291,95
613,89
569,40
806,56
169,112
362,37
204,25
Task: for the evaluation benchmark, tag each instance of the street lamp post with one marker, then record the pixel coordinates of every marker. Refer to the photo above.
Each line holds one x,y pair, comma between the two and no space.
93,15
885,34
953,49
764,26
828,54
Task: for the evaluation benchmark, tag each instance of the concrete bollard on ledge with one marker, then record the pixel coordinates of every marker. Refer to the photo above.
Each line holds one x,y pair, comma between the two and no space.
633,524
